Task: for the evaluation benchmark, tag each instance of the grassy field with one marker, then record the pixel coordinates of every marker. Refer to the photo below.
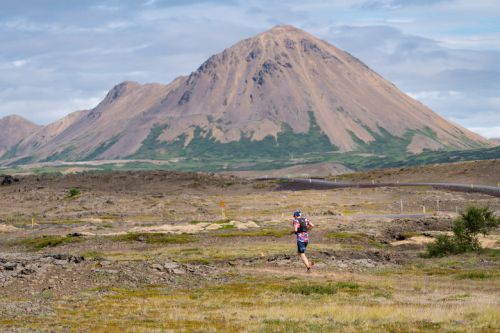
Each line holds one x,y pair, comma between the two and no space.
159,257
418,298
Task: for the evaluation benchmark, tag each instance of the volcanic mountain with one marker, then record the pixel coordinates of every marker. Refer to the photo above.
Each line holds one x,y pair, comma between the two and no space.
12,130
281,92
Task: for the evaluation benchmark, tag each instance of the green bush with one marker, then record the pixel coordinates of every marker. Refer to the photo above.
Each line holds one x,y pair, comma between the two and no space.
466,228
443,245
73,192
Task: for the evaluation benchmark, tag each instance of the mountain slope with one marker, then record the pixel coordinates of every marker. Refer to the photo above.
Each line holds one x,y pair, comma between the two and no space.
281,92
12,130
279,76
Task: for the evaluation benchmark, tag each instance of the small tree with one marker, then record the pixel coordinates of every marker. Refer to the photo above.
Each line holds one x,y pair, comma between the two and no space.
73,192
467,227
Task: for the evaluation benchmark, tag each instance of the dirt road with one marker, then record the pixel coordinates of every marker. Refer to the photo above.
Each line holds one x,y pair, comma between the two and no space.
296,184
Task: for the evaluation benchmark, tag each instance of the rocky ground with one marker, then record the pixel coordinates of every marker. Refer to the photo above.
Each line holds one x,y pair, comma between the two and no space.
120,232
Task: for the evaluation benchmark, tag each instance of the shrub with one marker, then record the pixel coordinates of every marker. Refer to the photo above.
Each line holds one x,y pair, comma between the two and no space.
443,245
73,192
466,228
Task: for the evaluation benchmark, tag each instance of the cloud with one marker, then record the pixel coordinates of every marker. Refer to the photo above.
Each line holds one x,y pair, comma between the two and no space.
462,85
19,63
59,55
393,4
488,132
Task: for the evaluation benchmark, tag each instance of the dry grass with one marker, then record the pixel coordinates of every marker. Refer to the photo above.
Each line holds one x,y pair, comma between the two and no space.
453,294
271,304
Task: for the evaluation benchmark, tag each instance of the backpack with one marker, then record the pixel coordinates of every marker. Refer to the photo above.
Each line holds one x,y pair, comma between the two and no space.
303,225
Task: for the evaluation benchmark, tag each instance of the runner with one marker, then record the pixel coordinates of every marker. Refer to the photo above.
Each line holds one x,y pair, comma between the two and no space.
301,226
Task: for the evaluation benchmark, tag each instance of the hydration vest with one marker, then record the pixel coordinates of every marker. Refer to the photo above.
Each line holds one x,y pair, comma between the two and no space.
303,225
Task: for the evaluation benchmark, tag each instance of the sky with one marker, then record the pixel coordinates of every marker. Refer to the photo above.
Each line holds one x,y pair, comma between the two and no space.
59,56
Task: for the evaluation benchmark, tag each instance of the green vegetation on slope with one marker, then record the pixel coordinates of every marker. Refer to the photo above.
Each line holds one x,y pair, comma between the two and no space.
101,148
204,144
59,156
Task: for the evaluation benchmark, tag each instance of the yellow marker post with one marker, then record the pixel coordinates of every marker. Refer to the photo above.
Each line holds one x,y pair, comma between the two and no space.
423,209
32,222
222,208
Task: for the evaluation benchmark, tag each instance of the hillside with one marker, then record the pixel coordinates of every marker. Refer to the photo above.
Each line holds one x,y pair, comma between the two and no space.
280,93
473,172
12,130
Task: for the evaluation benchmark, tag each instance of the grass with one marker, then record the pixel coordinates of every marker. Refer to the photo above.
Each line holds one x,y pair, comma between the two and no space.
257,233
345,235
41,242
213,254
322,289
155,238
214,222
476,276
266,304
92,254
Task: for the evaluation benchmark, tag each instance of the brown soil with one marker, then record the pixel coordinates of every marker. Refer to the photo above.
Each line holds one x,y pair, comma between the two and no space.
353,232
474,172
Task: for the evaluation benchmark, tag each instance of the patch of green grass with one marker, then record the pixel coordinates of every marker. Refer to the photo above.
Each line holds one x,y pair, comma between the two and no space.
227,226
92,254
491,253
215,222
155,238
475,276
257,233
377,244
406,235
459,297
345,235
323,289
44,241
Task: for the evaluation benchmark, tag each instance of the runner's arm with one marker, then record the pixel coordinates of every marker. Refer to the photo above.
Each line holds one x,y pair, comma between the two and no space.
310,225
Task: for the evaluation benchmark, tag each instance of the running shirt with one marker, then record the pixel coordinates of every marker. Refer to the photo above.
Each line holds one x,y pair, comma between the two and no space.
301,236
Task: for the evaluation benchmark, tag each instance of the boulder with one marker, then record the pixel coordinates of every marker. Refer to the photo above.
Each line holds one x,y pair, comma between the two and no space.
9,180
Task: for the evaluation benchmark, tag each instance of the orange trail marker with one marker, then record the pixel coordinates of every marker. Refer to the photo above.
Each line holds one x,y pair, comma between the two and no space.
222,207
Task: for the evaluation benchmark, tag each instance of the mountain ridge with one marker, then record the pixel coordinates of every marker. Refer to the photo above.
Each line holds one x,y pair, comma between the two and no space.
279,84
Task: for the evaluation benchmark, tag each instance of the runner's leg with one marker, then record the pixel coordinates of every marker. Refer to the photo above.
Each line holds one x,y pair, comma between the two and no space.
305,260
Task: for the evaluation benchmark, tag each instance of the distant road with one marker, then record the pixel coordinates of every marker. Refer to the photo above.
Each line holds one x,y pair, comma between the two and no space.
297,184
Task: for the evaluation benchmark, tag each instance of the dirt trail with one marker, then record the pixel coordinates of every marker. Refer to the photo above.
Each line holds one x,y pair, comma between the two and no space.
297,184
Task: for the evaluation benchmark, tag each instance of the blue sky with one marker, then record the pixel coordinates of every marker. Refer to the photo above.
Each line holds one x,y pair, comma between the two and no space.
59,56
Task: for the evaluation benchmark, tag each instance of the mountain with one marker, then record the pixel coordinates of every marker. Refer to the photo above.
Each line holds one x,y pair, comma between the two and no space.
12,130
280,93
